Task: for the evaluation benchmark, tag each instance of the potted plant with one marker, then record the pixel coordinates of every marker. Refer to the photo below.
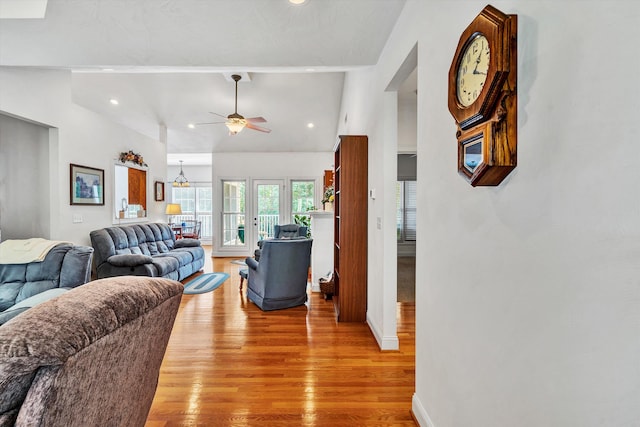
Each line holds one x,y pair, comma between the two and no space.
241,232
304,220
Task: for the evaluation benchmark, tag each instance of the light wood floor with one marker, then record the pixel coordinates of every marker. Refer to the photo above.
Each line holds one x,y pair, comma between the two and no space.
230,364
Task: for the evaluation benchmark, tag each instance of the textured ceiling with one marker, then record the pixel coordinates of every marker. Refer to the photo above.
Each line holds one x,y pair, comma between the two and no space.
169,57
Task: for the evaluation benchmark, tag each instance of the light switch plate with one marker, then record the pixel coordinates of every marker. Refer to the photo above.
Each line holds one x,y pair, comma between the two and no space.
77,218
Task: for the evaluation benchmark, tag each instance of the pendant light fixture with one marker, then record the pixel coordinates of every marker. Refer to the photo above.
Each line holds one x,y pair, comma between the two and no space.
180,180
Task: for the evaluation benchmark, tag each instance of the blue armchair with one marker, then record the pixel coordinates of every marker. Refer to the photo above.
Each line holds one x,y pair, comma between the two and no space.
289,231
286,231
279,280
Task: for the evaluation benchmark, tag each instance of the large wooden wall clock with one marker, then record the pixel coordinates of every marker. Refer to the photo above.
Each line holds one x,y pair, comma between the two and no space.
483,98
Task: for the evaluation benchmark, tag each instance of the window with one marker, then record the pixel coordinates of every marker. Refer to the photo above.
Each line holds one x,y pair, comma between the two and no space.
186,198
302,197
406,210
233,212
196,204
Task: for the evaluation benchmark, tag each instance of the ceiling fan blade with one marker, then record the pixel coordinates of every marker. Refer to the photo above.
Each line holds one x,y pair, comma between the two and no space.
219,115
256,120
258,128
209,123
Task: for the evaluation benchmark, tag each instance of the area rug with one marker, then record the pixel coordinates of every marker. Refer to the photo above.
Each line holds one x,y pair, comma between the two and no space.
205,283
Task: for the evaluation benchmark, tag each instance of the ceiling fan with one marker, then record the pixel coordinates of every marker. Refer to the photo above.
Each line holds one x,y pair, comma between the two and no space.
236,122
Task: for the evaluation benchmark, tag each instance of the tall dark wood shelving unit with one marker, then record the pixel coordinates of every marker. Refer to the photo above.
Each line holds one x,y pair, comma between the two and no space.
350,234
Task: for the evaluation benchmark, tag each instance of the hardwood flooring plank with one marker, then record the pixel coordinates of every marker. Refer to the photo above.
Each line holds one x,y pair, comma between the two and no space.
230,364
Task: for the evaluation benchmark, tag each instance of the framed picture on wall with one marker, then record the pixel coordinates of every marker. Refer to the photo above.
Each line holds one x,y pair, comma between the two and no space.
159,191
86,185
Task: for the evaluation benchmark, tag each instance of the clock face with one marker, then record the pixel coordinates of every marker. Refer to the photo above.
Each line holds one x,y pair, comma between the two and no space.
472,70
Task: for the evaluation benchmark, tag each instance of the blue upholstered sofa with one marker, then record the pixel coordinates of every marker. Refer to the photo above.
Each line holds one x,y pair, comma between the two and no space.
145,250
23,286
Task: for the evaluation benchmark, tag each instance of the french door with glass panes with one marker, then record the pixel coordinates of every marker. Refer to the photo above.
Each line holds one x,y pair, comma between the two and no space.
267,208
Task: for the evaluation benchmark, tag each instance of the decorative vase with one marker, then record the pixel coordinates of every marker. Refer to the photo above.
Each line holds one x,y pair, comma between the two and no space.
328,206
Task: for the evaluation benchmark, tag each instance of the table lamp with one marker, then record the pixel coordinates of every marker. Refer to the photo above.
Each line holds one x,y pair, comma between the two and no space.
173,209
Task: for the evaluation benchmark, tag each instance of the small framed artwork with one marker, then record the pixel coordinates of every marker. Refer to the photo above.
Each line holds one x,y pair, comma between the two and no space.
86,185
159,191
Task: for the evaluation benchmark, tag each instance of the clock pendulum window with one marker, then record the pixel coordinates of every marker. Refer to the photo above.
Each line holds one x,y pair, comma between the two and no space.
483,97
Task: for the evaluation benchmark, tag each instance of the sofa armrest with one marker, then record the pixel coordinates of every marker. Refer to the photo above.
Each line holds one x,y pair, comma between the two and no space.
129,260
187,243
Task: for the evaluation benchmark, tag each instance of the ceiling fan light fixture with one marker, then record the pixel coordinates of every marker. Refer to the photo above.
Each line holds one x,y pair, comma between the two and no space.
235,125
236,122
296,1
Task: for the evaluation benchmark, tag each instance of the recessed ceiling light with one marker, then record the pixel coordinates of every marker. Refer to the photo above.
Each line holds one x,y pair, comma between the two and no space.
296,1
310,125
191,126
114,101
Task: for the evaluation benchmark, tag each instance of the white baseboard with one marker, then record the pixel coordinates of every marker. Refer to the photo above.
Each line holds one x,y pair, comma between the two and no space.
420,413
385,343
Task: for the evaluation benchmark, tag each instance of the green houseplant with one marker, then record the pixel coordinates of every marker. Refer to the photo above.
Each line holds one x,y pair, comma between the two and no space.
304,220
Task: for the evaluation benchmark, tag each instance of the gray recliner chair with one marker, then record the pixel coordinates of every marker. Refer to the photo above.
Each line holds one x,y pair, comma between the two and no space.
279,279
90,357
286,231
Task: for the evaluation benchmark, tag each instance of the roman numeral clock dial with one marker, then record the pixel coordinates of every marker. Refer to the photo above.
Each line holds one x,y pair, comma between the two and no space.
472,71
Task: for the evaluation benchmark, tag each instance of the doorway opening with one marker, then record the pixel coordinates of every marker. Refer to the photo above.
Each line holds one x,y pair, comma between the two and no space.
404,86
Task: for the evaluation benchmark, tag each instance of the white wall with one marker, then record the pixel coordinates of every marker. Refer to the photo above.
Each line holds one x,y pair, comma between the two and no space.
24,174
528,294
80,137
254,166
407,124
